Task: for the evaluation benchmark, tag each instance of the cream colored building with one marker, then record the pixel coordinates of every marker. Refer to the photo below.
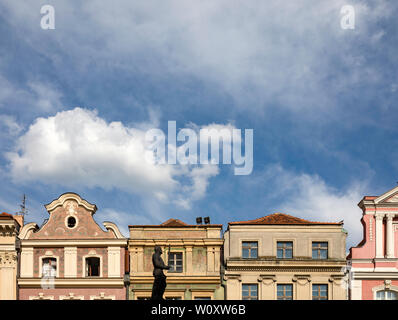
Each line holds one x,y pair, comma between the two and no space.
286,258
9,229
192,251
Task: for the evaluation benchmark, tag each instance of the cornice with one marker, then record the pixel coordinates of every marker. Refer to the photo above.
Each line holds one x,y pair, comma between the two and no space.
73,282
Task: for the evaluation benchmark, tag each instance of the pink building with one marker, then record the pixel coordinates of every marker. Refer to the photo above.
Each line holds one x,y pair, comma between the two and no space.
70,256
374,261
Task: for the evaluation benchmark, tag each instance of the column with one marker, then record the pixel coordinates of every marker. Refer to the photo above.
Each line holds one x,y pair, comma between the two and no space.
210,259
70,262
114,262
266,290
303,287
188,253
390,236
379,236
26,263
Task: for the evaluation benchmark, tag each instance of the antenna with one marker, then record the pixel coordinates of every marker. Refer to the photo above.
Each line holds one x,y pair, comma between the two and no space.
24,210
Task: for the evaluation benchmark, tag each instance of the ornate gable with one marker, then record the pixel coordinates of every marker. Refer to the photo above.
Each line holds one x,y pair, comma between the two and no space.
390,196
71,217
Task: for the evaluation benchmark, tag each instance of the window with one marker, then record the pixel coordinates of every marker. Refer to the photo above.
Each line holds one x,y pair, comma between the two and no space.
173,298
49,269
92,267
319,250
71,222
386,295
249,292
175,261
249,250
285,250
319,292
284,292
202,298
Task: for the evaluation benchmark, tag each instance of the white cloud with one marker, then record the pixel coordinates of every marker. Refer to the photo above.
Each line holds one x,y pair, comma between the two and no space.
257,51
310,197
77,148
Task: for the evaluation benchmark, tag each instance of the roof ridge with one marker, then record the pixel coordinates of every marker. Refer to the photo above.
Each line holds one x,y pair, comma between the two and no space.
281,218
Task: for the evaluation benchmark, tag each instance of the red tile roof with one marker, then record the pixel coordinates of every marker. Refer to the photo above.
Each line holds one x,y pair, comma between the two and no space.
173,223
5,216
370,197
280,219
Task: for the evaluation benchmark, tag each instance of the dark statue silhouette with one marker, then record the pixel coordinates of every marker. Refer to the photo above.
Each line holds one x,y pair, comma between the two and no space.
159,284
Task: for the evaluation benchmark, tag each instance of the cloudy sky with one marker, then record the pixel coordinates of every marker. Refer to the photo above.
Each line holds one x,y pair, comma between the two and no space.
75,103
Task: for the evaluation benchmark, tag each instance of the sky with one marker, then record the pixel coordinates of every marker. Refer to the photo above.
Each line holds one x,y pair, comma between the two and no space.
76,101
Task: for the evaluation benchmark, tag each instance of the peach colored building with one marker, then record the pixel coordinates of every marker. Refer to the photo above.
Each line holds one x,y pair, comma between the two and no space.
9,229
374,261
192,251
70,256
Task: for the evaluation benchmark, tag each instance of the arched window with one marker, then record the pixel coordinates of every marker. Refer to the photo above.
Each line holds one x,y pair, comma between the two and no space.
386,295
92,267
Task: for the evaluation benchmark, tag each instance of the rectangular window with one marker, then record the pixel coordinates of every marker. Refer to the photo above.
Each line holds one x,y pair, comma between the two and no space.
249,250
202,298
175,261
173,298
49,269
92,267
319,250
249,292
319,292
284,292
285,250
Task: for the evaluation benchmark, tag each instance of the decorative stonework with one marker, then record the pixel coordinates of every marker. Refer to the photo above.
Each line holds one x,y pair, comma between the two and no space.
8,259
393,198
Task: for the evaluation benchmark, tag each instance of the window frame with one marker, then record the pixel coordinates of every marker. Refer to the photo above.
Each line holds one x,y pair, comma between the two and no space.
42,264
84,265
285,285
250,249
284,251
385,291
319,291
250,284
319,249
174,253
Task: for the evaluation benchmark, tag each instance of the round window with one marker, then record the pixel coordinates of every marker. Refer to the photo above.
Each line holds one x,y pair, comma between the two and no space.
71,222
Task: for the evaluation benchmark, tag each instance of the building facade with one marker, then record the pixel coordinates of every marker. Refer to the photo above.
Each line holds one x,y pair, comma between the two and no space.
374,261
9,229
70,256
192,251
285,258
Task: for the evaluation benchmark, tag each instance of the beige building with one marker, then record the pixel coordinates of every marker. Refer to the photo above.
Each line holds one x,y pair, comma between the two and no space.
9,229
286,258
192,251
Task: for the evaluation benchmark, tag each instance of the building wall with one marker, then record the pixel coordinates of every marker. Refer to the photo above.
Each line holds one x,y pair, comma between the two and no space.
301,272
70,246
9,229
200,248
374,261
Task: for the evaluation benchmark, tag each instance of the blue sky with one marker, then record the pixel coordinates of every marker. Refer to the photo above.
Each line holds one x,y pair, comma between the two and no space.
320,99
